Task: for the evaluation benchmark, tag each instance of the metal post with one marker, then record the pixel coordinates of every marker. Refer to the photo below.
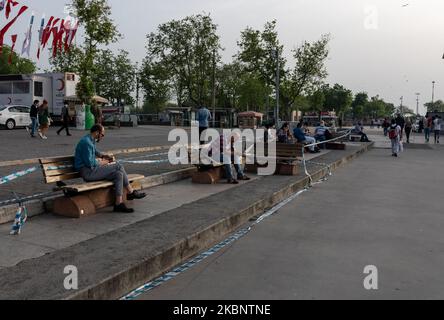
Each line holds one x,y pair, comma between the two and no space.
277,85
417,103
213,95
402,107
433,92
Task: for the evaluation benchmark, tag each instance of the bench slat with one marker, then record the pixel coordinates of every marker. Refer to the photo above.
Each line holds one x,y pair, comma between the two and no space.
63,177
59,172
54,160
83,187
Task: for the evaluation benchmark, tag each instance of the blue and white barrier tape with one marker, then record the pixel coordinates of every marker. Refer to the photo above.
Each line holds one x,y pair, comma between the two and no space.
20,219
191,263
16,175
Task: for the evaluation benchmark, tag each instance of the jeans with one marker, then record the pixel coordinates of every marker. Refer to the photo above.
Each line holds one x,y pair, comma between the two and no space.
227,167
34,126
396,147
311,140
427,134
437,135
386,130
112,172
201,131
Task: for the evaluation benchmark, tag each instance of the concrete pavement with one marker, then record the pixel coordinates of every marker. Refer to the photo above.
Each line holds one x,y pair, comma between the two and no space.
112,263
377,211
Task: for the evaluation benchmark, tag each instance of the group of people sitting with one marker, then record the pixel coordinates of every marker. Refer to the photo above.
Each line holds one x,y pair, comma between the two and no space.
302,134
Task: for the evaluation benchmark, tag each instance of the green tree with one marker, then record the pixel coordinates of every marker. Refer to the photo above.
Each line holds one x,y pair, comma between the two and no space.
99,29
435,106
317,101
258,53
155,85
309,72
114,77
338,98
18,66
69,61
187,50
359,104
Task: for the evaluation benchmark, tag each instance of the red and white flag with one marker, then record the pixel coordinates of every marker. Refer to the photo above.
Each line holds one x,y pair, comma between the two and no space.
9,5
28,38
8,26
14,40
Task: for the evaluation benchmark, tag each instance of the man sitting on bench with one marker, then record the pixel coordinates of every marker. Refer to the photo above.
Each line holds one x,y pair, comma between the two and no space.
94,166
304,139
224,148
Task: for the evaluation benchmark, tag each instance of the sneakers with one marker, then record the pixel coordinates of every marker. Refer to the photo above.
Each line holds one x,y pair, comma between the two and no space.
233,181
122,208
244,178
136,195
41,135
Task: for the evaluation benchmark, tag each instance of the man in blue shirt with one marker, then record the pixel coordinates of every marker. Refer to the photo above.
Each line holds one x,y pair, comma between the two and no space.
204,118
95,166
302,138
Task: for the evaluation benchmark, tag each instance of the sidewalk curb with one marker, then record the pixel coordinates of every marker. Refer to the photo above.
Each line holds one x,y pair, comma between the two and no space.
124,281
39,207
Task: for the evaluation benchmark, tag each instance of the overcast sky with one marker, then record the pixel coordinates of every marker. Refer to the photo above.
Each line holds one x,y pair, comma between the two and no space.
380,46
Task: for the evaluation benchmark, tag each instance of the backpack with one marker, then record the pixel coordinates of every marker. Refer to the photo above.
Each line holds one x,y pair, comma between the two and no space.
393,134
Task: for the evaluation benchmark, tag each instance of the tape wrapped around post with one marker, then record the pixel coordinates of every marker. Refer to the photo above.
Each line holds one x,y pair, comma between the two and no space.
20,219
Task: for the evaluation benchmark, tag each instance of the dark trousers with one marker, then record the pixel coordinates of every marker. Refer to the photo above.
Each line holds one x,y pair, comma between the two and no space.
65,126
202,130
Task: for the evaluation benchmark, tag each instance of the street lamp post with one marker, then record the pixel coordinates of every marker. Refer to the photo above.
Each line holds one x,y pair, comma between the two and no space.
433,92
402,107
277,111
417,103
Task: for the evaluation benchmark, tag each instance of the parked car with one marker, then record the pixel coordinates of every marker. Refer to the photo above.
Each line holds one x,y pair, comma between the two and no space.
14,116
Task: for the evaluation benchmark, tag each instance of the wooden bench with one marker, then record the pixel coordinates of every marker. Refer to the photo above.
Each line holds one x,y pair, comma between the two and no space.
81,199
355,138
338,144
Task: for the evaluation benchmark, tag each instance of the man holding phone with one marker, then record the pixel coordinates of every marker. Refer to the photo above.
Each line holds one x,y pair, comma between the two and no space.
95,166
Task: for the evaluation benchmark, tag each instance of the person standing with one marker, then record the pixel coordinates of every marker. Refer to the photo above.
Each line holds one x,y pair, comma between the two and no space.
33,114
395,137
204,117
65,121
437,124
44,120
408,129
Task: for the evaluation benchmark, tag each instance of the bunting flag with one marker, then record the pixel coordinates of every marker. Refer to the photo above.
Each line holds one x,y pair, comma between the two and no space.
28,38
8,26
57,34
9,5
14,40
70,36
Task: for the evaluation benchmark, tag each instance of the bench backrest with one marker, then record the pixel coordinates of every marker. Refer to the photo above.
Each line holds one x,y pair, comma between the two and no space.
58,169
289,150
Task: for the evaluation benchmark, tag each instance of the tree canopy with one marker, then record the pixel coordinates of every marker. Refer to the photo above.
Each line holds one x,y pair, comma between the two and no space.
19,65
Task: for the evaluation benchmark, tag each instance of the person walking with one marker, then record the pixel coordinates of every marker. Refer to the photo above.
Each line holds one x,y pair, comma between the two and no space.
408,129
34,114
437,124
428,128
395,137
386,126
44,120
65,121
204,117
400,121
